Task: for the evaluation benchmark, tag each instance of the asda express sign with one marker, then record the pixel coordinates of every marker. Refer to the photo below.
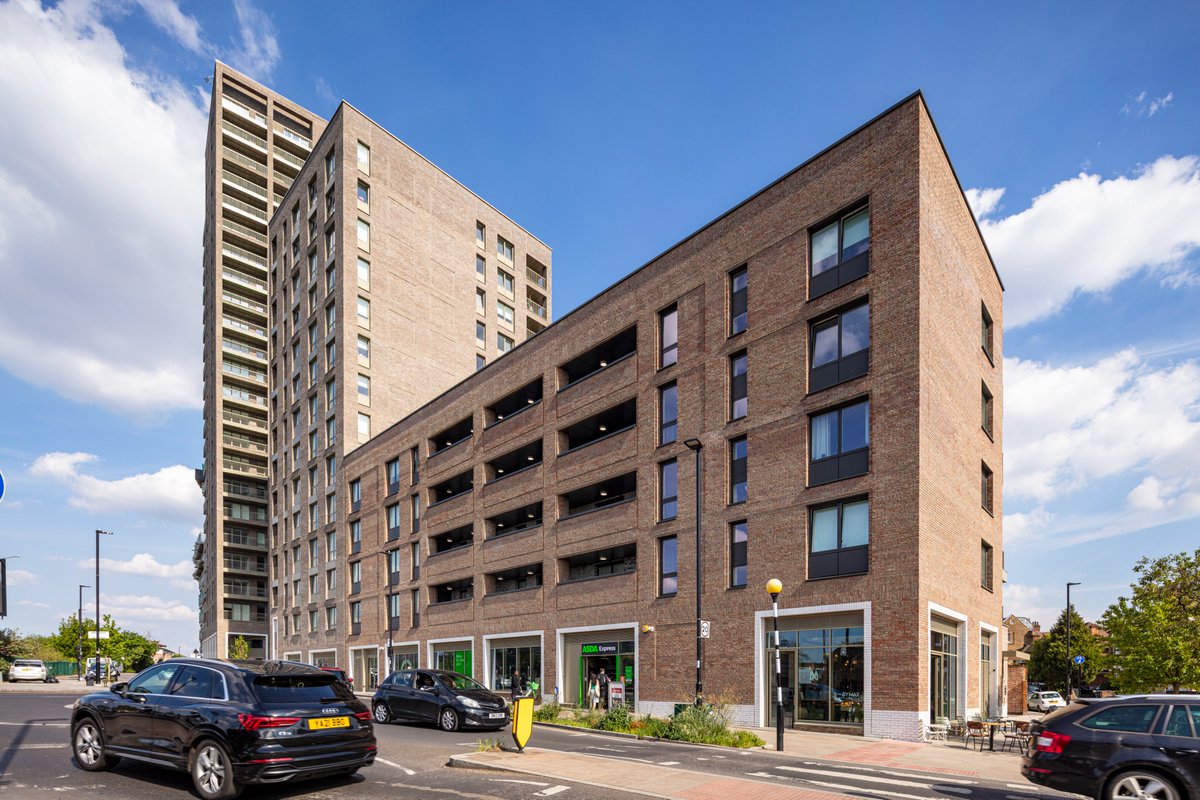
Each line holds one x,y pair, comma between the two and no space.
606,648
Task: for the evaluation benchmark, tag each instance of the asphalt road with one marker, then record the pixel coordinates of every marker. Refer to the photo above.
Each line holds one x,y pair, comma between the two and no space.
36,762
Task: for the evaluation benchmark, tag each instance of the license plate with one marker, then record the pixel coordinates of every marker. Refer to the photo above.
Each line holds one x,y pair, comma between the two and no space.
497,715
328,722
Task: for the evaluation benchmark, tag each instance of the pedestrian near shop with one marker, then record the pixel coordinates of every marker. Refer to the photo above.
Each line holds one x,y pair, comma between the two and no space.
519,687
593,692
602,681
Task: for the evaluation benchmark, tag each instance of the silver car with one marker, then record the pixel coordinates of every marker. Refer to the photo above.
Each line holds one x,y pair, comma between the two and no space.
28,669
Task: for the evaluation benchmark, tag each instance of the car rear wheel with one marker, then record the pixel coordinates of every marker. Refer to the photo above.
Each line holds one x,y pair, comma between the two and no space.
88,744
381,713
1141,785
212,772
448,720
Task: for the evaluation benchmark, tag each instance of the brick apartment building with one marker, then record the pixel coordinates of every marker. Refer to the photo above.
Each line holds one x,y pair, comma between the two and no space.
832,346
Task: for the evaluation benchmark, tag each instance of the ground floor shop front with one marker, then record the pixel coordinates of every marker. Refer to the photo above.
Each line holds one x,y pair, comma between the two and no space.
840,668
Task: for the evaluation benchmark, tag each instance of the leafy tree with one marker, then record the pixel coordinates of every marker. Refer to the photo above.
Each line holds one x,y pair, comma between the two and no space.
12,646
40,647
1155,634
1048,657
240,649
132,650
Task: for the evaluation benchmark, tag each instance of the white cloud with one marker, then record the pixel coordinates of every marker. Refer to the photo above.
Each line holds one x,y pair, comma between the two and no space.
1069,427
21,577
141,564
171,493
1142,105
184,29
32,604
1086,234
1030,602
258,51
101,211
144,608
984,201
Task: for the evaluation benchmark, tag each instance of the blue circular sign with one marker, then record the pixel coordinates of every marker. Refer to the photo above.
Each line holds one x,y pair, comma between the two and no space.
1078,659
1,485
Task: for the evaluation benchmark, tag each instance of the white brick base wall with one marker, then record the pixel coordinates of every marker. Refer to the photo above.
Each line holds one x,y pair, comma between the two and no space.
902,725
741,715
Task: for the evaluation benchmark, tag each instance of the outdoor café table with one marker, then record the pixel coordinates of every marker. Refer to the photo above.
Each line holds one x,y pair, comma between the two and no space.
992,724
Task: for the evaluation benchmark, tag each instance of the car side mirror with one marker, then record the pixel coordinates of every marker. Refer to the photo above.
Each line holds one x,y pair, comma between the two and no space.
119,688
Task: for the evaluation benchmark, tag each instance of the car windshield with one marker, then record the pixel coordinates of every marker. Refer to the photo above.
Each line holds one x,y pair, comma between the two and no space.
1051,696
299,689
459,683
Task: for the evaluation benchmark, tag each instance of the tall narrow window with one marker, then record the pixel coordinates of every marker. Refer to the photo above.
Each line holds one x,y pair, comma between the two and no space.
355,495
480,334
415,503
480,302
480,362
363,193
738,308
668,413
364,390
364,427
416,607
840,252
505,313
840,348
393,476
839,535
364,159
985,565
985,333
668,566
668,490
481,268
838,442
330,164
364,273
668,335
738,402
356,536
985,487
737,470
986,410
364,351
504,281
364,312
415,557
414,465
480,234
738,561
393,522
504,249
364,235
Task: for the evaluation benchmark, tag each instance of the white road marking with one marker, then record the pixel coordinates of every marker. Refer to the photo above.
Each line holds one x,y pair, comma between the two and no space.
1028,788
553,790
698,758
34,747
847,787
608,749
37,724
514,780
578,734
940,779
954,789
869,778
667,763
406,770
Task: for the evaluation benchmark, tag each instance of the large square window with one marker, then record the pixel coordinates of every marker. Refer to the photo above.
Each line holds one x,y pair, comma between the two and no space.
838,443
840,348
840,252
839,535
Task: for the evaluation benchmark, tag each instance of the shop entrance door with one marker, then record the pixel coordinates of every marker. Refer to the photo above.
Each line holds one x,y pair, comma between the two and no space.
589,667
787,673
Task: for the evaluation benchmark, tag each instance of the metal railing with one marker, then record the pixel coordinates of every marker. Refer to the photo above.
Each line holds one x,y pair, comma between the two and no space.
241,466
243,160
244,327
244,135
243,565
537,277
243,372
243,279
247,186
245,208
283,155
285,180
243,230
243,419
243,349
536,308
246,444
242,490
242,254
244,302
253,592
293,137
242,110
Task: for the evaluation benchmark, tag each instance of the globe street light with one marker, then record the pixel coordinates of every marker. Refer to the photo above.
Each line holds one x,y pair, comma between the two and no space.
774,587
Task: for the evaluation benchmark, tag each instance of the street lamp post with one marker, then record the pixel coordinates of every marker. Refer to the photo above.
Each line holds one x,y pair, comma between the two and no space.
99,533
387,609
695,445
774,587
79,619
1069,665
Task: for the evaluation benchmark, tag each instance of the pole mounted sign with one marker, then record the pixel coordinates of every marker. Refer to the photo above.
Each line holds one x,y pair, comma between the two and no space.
705,629
1,485
1078,659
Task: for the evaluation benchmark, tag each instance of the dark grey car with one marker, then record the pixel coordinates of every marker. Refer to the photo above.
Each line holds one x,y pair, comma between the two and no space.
446,699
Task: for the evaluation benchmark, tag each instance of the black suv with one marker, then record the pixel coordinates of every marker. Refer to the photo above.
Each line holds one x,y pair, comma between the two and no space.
446,698
228,724
1144,747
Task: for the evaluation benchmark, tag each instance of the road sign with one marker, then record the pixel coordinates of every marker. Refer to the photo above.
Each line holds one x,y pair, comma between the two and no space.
1078,659
92,634
1,485
522,721
705,629
616,693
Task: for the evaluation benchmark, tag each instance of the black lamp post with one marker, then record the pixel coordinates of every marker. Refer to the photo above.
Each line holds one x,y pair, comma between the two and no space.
99,533
1069,665
774,587
387,583
79,651
695,445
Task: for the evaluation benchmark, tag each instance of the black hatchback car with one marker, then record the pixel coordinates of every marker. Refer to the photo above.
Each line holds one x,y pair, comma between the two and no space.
227,723
1145,747
446,698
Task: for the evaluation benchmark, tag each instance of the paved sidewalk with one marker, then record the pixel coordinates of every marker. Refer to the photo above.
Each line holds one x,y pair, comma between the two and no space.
943,758
646,779
68,685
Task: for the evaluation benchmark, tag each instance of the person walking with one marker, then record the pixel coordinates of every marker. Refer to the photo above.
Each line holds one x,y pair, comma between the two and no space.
602,681
519,687
593,692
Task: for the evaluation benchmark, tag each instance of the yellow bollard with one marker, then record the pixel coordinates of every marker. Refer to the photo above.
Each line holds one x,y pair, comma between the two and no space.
522,721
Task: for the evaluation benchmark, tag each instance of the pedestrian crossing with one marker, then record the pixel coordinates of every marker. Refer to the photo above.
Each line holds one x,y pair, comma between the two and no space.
889,784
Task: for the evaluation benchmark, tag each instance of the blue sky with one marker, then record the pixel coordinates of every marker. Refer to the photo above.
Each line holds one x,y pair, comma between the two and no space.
610,131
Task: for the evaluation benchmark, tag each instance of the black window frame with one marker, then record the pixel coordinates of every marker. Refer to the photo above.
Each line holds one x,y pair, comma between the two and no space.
847,366
987,488
414,465
843,464
987,410
736,470
668,351
840,561
987,331
739,301
355,495
663,498
739,553
663,574
392,486
393,531
414,512
663,422
845,270
415,603
987,565
738,385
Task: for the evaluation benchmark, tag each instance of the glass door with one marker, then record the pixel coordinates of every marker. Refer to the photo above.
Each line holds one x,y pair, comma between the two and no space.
787,673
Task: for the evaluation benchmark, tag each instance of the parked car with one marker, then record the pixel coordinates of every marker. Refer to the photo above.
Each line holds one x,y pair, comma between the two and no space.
1145,746
227,724
341,674
1045,701
28,669
446,698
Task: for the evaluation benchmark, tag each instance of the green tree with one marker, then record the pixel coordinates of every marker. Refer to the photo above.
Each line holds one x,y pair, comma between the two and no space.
12,647
1048,656
240,649
133,651
1155,633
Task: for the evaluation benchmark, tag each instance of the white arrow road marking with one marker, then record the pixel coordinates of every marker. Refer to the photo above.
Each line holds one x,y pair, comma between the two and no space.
406,770
514,780
553,790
